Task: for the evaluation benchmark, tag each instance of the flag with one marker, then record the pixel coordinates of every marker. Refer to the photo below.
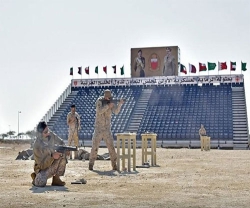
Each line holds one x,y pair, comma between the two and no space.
202,67
222,65
96,69
211,66
105,69
243,66
192,68
122,70
183,69
80,70
71,71
87,70
114,67
232,66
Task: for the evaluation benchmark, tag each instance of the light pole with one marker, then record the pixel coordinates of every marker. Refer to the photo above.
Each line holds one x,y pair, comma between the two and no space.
18,125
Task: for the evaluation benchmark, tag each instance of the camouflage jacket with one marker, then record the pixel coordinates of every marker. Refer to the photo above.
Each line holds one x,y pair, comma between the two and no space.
43,150
104,113
73,121
202,132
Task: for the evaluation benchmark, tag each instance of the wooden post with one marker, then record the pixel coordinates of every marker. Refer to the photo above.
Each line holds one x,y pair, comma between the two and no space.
145,152
122,138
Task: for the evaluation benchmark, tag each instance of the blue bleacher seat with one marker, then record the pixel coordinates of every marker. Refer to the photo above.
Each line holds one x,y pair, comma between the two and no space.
173,112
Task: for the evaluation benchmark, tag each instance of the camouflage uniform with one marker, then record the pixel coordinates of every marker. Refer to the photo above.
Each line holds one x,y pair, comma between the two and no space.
73,120
45,165
169,66
103,131
202,133
56,168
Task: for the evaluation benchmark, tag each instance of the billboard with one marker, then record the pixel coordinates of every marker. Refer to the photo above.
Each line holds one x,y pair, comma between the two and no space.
155,61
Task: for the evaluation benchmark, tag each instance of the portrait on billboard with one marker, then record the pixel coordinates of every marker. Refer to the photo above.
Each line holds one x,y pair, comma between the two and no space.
139,64
156,61
169,67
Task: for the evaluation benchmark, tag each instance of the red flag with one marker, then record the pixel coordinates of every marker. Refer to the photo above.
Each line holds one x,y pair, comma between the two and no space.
192,68
222,65
114,67
87,70
202,67
183,69
105,69
80,70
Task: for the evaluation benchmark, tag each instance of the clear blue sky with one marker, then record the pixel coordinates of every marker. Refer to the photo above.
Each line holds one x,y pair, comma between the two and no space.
41,40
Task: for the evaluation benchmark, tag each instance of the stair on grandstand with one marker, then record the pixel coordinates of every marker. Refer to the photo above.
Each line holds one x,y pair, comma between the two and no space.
139,111
68,101
240,126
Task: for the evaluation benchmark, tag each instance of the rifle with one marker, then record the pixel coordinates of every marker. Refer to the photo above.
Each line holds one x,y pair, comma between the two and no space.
63,148
111,100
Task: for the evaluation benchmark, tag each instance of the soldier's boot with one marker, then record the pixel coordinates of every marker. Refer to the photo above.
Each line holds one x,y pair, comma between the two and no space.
91,166
56,181
114,166
76,155
33,176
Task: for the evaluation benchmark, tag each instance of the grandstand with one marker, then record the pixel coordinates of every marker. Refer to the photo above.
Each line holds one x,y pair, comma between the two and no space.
172,107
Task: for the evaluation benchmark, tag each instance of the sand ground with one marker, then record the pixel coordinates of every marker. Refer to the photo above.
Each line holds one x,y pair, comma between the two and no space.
183,178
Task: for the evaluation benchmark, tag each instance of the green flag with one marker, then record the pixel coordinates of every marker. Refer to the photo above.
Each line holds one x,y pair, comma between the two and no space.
243,66
96,69
211,66
122,70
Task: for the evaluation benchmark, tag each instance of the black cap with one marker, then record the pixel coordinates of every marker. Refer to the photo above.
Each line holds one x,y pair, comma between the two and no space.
73,106
41,126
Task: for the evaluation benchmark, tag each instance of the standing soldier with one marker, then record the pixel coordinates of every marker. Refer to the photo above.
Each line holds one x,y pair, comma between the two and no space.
104,112
73,121
202,133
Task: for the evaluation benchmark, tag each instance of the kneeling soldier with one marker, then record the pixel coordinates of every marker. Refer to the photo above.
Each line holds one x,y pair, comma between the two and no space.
48,163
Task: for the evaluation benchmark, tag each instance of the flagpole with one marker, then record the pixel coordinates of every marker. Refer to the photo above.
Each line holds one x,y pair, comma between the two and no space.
241,66
199,69
89,71
123,71
230,68
115,72
218,67
207,69
97,73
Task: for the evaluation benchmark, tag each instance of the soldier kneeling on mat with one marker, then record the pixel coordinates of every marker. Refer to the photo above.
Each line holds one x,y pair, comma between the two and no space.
48,163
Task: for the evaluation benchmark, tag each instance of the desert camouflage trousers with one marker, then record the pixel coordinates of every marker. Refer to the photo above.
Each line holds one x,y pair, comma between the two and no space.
57,168
106,135
73,139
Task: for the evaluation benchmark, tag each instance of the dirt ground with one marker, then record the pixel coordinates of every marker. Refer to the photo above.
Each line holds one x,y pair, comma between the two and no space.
183,178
